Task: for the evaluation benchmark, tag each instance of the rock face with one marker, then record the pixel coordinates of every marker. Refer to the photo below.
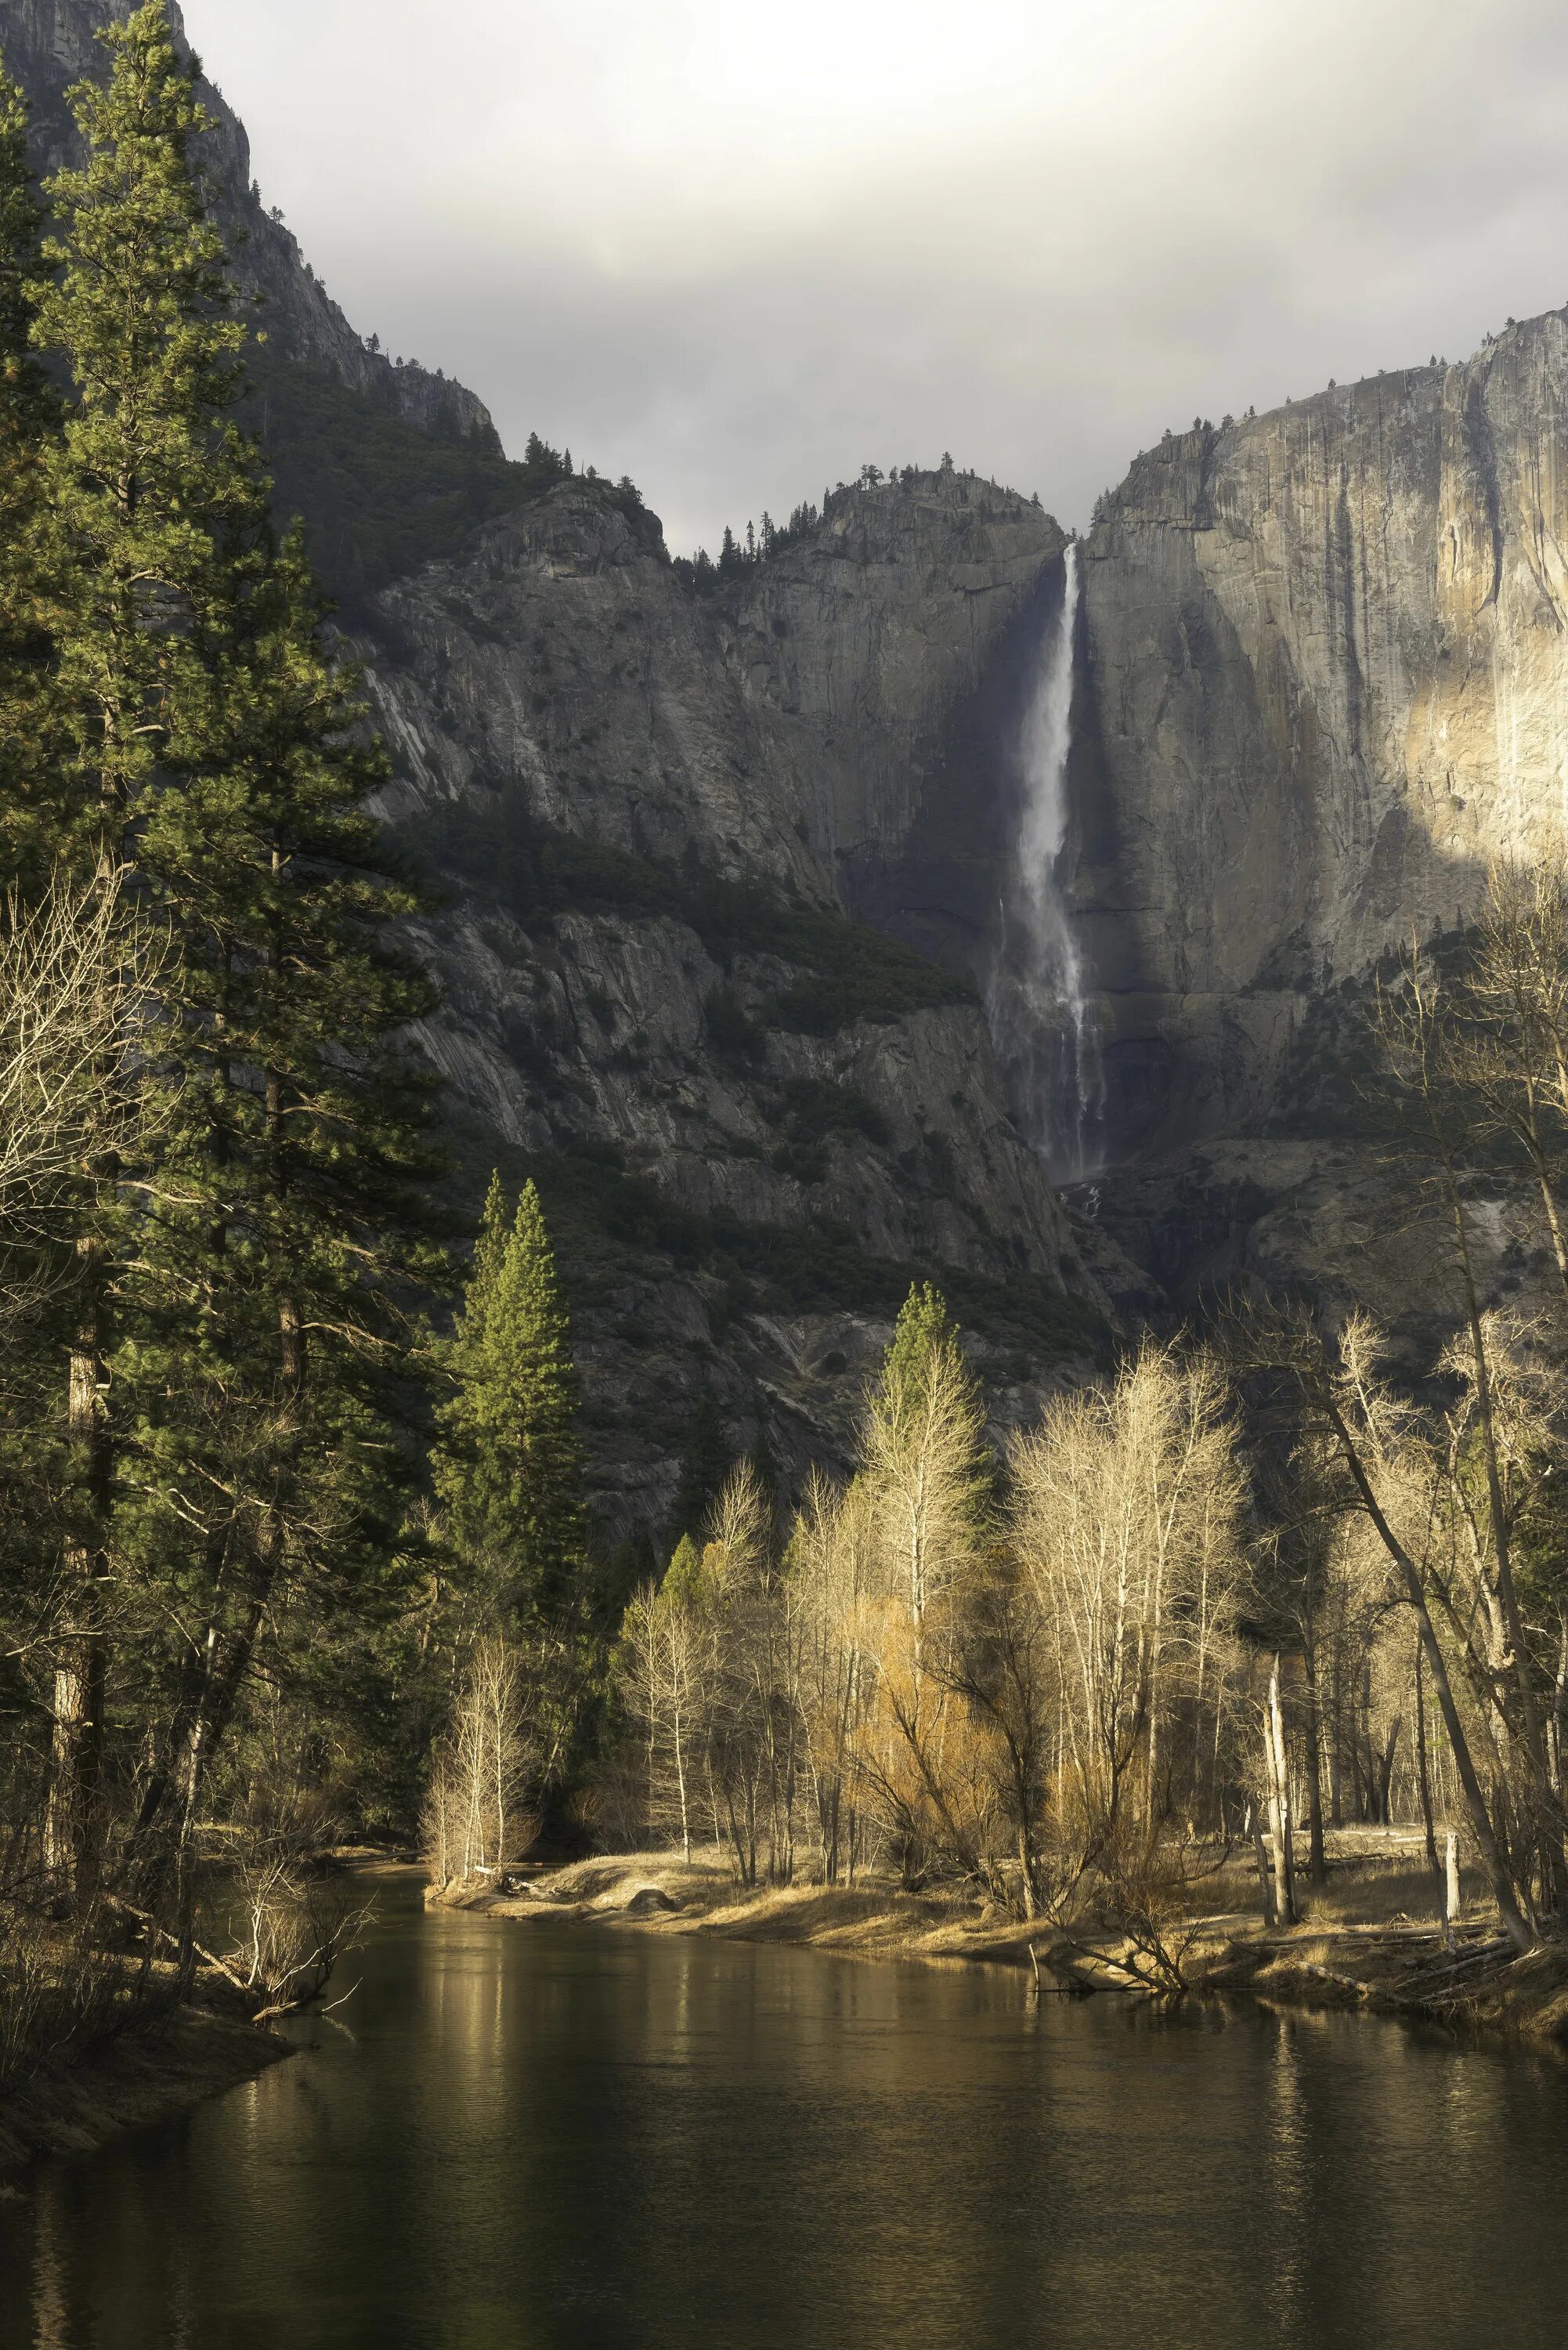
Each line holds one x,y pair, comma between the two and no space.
650,812
50,45
723,872
1324,682
753,1121
798,724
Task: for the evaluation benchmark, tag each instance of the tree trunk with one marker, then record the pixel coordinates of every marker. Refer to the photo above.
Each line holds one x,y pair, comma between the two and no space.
1548,1830
1279,1804
72,1830
1423,1767
1265,1881
1385,1772
1318,1858
1520,1932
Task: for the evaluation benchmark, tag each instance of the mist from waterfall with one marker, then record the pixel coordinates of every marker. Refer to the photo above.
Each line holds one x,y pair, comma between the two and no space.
1040,1017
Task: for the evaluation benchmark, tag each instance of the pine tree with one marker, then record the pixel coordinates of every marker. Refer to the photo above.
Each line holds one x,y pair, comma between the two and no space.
151,492
923,1330
511,1475
137,311
30,744
238,1325
286,1210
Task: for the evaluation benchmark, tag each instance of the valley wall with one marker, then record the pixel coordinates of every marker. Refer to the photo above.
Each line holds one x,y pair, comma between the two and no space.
1326,682
720,875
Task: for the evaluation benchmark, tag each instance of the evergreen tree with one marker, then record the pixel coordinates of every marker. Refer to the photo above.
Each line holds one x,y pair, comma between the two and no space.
29,572
286,1213
237,1324
924,1447
924,1330
511,1473
682,1583
152,494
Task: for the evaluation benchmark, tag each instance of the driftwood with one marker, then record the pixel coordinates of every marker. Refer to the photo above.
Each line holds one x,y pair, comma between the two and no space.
209,1959
317,1967
1456,1975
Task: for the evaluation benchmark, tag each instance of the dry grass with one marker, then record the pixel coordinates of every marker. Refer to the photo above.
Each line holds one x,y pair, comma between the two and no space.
60,1995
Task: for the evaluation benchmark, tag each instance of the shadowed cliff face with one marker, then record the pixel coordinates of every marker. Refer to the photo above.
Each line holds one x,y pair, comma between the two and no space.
1326,676
753,1120
50,45
803,723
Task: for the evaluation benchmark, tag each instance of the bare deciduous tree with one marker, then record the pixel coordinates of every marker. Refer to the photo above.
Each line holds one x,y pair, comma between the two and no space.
476,1812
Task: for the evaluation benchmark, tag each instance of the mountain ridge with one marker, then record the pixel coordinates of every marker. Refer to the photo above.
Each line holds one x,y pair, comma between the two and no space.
1319,683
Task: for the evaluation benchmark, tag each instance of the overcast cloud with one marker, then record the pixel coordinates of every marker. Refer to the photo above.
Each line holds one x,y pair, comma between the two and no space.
737,248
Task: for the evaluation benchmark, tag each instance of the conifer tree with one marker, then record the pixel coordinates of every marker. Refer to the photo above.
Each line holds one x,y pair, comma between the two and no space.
29,581
140,489
287,1209
153,484
924,1328
237,1326
511,1475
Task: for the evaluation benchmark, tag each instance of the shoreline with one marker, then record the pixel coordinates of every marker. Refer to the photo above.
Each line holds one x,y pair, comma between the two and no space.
148,2074
1396,1968
172,2059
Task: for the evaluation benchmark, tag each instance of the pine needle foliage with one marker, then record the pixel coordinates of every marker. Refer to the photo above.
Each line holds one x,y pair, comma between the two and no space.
244,1312
154,487
510,1473
29,422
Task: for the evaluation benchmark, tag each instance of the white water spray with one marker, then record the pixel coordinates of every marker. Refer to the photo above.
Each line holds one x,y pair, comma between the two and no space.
1040,1014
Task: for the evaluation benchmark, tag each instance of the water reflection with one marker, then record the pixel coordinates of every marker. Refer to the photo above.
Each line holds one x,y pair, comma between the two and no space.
540,2138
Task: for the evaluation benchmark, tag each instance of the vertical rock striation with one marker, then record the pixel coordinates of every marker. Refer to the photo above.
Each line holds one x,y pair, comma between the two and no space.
1328,682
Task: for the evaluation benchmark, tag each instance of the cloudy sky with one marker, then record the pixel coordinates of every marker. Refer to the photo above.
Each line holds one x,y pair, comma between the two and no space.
737,248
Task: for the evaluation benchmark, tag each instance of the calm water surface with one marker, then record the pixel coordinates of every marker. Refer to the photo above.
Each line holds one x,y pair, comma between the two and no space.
533,2137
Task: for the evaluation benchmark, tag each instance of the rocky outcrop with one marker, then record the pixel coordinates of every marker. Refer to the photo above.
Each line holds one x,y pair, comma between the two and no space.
801,722
648,810
753,1121
50,45
1324,682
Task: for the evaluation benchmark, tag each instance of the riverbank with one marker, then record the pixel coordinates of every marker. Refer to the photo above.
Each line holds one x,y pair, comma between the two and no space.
176,2058
1386,1961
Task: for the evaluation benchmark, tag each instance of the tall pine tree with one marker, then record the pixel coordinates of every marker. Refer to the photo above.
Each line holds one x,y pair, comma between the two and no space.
244,1280
30,580
510,1475
143,486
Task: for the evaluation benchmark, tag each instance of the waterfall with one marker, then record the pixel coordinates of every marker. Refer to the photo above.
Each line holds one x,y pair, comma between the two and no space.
1040,1014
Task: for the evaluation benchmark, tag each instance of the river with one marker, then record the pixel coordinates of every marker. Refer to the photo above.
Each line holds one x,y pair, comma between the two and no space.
542,2137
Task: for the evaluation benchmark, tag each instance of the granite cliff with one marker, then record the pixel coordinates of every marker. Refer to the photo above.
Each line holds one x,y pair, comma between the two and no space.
725,873
1325,676
651,815
754,1118
1323,685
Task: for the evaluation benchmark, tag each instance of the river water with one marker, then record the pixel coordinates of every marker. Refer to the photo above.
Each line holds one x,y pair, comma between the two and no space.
552,2137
